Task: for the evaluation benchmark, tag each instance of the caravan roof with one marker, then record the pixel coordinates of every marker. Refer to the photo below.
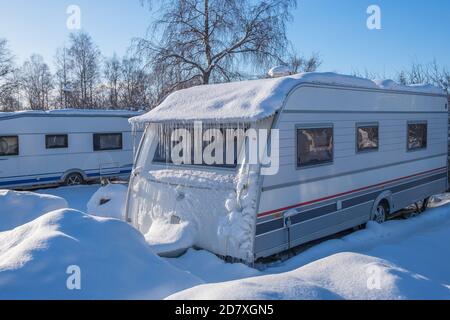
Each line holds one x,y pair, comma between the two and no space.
253,100
69,113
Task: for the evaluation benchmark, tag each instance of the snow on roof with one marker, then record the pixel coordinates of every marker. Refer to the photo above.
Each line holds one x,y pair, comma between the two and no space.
420,88
70,112
251,100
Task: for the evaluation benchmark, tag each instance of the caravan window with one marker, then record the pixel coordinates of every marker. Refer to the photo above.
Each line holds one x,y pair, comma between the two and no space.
230,146
9,146
417,135
314,146
367,137
107,141
58,141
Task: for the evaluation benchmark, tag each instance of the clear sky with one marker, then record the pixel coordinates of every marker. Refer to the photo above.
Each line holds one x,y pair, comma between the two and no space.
414,30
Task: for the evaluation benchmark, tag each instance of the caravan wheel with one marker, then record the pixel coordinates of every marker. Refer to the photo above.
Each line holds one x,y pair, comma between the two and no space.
74,179
380,213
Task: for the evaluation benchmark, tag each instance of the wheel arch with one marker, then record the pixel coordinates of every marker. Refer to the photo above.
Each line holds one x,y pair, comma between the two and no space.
70,171
384,196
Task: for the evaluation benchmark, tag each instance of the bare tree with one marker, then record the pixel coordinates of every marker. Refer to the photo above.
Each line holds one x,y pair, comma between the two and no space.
299,63
11,95
84,58
112,74
6,59
7,85
135,85
203,41
63,67
430,73
37,82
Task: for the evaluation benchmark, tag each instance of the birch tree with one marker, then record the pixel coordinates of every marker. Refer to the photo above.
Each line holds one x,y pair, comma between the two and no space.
37,82
203,41
85,58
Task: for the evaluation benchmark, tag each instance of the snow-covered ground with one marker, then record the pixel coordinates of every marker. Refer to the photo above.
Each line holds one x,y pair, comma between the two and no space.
401,259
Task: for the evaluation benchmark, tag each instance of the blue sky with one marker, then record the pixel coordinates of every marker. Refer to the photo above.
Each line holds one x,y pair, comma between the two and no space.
411,30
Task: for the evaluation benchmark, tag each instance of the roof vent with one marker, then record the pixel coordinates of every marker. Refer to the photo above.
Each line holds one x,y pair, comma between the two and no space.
280,71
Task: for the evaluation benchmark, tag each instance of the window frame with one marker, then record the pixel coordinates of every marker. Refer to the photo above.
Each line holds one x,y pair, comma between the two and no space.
425,122
366,125
18,146
65,135
224,166
313,126
94,135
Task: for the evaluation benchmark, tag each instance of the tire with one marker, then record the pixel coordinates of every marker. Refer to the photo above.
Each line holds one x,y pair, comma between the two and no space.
74,179
381,213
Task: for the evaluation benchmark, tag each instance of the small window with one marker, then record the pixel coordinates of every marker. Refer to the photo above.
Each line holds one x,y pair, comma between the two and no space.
368,139
107,141
417,135
9,146
57,141
314,146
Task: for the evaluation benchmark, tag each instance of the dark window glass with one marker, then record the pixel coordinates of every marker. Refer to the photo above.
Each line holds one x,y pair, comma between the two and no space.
9,146
107,141
57,141
314,146
367,138
417,136
231,137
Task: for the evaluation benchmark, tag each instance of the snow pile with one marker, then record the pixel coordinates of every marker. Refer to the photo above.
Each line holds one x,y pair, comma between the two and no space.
18,208
177,209
211,269
202,179
238,228
109,202
114,260
401,259
76,196
249,101
341,276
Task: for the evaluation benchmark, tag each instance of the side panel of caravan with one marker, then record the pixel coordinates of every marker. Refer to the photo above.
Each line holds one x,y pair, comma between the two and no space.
329,197
39,164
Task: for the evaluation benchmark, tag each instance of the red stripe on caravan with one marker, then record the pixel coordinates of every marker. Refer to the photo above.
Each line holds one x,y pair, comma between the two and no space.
268,213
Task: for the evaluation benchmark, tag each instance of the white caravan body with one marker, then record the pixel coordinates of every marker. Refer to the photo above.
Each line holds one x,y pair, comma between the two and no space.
387,144
47,148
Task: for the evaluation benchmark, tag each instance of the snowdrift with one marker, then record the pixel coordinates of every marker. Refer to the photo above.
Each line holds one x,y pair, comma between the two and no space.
114,198
18,208
409,258
341,276
114,259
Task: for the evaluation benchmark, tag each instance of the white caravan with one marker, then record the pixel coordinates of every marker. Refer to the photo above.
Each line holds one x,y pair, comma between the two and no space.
350,150
64,146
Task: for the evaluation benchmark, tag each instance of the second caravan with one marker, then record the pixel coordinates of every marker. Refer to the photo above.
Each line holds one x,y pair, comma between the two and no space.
64,147
350,150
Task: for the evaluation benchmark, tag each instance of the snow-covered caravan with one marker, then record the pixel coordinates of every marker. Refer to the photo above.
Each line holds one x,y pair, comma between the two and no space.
64,146
350,150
